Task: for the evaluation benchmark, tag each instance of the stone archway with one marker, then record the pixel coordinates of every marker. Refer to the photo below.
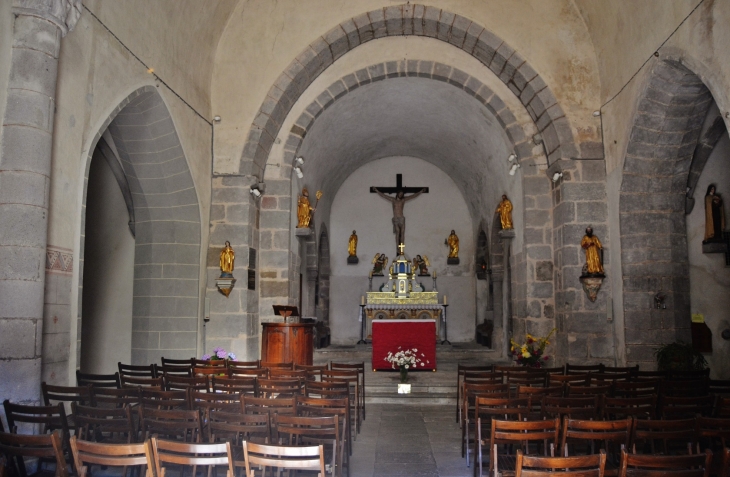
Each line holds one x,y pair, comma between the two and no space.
659,155
511,68
167,223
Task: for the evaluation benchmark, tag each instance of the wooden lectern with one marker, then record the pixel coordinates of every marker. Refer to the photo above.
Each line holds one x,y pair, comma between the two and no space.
287,342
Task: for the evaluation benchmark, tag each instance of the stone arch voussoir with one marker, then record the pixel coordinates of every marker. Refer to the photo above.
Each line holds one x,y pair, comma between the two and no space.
419,20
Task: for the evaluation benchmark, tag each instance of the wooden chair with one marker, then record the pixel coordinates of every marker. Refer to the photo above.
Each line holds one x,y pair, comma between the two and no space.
685,407
110,397
636,407
191,454
554,370
520,433
259,373
105,424
638,465
183,383
714,434
87,453
98,380
487,409
154,398
329,407
719,387
237,427
176,362
638,388
621,369
252,405
685,387
180,371
285,373
66,394
675,437
209,363
578,391
587,407
583,368
352,378
23,419
470,392
360,367
608,378
582,379
134,371
529,378
660,375
238,385
460,370
271,388
269,364
283,457
612,436
183,425
321,430
327,390
16,447
576,466
722,407
153,383
244,364
314,372
206,402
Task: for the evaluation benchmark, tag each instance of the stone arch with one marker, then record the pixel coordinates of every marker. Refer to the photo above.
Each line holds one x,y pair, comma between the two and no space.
419,20
659,154
167,226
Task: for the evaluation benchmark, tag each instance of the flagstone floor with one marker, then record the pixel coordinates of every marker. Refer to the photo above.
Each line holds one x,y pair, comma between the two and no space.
400,440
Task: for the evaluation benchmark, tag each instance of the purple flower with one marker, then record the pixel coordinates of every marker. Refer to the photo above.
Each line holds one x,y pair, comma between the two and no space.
232,356
205,357
217,349
221,354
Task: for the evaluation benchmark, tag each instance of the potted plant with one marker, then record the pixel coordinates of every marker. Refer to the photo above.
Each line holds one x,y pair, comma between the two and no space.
679,356
532,352
405,360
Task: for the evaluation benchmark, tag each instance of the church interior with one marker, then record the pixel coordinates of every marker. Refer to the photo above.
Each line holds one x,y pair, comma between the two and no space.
172,170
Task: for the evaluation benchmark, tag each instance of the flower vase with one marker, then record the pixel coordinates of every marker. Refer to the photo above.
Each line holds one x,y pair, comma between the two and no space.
403,386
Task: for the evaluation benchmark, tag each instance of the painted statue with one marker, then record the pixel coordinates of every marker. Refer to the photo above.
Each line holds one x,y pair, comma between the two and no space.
504,209
593,248
399,220
228,257
305,211
421,264
380,262
453,242
714,216
352,245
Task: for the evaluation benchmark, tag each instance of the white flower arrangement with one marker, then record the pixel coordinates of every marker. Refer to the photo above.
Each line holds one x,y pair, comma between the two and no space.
406,359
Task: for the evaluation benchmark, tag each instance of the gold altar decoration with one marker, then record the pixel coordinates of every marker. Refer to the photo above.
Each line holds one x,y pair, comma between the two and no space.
305,211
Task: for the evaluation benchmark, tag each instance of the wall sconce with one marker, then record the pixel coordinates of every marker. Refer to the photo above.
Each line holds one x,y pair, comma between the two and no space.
512,157
257,189
216,119
557,176
513,169
299,161
255,192
299,172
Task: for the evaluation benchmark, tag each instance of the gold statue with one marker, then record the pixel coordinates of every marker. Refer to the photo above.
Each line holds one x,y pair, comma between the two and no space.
304,210
593,247
228,256
453,243
714,216
504,209
352,245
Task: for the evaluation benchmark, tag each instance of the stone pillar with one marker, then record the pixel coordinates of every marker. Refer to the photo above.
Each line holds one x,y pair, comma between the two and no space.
506,236
25,168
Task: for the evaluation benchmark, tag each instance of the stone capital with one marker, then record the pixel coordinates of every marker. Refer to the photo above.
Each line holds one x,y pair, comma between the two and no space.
63,13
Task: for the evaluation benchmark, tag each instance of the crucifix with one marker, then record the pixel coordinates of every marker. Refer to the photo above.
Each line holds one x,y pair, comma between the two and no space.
399,220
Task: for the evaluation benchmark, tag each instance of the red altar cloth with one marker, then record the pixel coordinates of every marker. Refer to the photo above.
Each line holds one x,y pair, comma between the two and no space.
388,335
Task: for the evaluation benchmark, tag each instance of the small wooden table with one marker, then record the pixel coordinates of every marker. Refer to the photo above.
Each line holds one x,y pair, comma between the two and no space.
287,342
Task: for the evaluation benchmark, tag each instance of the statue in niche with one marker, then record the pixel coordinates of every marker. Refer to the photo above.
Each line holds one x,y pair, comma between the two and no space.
421,264
594,250
228,257
352,249
453,242
399,220
714,216
504,209
380,262
305,211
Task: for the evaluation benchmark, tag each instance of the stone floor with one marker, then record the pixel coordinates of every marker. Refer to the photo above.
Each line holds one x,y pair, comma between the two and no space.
407,440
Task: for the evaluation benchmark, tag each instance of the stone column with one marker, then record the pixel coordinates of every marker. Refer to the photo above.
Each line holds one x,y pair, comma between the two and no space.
506,237
25,168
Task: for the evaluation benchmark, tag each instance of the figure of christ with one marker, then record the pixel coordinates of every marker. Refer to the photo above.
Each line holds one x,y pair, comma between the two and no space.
399,220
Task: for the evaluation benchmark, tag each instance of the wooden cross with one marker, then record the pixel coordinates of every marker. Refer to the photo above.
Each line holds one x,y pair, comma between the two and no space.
399,187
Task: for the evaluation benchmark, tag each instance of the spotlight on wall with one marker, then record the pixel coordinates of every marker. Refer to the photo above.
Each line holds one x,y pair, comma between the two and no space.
216,119
596,113
513,169
255,191
557,176
512,157
299,161
299,172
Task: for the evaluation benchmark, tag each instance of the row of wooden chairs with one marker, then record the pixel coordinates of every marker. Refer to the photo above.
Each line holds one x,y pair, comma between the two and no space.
585,437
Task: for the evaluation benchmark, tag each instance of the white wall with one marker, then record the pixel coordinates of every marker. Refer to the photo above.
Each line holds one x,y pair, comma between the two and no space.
106,324
429,220
709,277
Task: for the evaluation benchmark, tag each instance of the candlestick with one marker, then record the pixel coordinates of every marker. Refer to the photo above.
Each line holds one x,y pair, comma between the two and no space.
362,300
434,273
445,300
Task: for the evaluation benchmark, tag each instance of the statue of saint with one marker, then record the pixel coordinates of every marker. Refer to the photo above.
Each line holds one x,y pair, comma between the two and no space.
399,221
593,248
380,261
504,209
714,216
228,256
422,264
453,243
304,210
352,245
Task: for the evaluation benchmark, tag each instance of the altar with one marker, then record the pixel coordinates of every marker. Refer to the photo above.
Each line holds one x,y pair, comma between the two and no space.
396,335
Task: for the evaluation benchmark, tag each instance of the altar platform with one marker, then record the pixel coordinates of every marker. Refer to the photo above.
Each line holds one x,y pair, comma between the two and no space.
427,387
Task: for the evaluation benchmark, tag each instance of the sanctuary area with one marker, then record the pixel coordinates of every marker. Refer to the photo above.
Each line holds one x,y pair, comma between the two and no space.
279,180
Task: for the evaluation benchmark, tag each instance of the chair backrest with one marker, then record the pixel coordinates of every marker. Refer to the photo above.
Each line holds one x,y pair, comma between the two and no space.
530,378
685,407
359,367
576,466
314,372
103,423
50,418
521,433
579,379
502,408
536,392
278,373
672,436
643,407
244,364
638,388
132,381
283,457
110,397
269,364
209,401
55,394
192,454
183,383
685,387
252,405
713,432
98,380
621,369
572,390
583,368
585,407
691,375
719,387
303,430
248,372
209,363
327,389
154,398
176,362
135,371
237,385
238,427
652,374
183,371
619,432
276,387
87,453
607,378
179,424
639,465
15,447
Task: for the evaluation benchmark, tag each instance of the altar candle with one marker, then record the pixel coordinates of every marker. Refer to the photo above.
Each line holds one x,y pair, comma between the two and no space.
444,299
434,273
362,300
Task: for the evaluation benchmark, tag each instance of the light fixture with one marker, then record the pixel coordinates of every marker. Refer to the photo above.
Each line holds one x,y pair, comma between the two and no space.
299,161
255,192
513,169
596,113
299,172
257,189
512,157
216,119
557,176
